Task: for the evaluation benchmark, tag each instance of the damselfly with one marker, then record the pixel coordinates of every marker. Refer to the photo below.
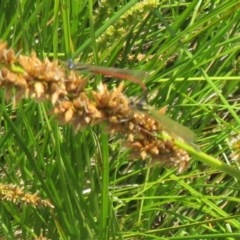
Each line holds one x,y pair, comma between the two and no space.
131,75
172,127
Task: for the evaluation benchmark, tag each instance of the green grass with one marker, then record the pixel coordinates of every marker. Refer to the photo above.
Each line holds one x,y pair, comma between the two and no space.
191,51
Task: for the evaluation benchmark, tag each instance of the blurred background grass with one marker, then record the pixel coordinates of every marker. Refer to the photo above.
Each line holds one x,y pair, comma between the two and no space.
191,51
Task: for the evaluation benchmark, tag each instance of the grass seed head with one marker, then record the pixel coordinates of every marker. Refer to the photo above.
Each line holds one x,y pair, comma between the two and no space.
72,104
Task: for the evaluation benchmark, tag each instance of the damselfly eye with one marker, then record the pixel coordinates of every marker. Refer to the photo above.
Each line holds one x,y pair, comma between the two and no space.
70,63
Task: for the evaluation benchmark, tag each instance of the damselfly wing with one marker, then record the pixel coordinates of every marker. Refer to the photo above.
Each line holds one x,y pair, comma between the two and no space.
173,128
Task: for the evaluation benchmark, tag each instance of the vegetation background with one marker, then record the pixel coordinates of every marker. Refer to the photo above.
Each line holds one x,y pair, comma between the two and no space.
191,51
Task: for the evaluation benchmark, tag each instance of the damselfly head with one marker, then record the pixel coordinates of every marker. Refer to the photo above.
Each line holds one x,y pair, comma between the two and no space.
70,63
139,104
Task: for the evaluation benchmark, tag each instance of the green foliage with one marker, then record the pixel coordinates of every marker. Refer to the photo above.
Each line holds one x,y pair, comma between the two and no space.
191,51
